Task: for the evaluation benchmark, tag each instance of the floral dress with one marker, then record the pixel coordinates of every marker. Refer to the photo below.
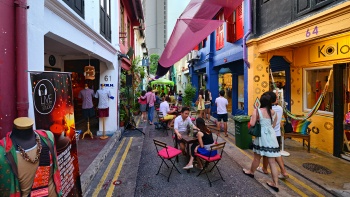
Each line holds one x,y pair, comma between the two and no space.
267,144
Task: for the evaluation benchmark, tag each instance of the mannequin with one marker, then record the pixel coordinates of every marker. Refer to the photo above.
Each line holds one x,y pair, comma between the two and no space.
88,107
103,108
27,159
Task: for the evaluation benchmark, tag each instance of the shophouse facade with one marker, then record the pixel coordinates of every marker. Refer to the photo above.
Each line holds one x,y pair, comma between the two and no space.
66,36
217,62
301,43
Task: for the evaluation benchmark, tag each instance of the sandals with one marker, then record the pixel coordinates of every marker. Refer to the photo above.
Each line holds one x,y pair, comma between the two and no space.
248,174
260,169
273,187
281,176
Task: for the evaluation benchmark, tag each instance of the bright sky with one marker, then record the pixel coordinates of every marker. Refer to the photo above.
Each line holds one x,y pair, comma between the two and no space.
175,8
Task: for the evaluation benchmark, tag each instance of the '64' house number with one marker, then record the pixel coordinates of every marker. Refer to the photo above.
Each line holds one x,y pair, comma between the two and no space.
314,31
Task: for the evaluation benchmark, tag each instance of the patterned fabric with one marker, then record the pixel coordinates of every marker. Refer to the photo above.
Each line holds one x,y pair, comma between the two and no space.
86,95
300,126
151,98
103,98
267,144
8,165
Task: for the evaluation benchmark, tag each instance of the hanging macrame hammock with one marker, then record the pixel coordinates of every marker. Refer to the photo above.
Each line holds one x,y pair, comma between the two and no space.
314,108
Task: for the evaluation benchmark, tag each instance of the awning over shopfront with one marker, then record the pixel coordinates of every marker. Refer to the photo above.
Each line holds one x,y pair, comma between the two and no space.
162,82
126,64
193,25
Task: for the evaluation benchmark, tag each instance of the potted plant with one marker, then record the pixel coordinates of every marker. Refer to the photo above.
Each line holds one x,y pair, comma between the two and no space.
122,117
189,95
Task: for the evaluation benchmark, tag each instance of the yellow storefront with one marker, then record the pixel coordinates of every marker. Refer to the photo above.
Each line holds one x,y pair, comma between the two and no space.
312,47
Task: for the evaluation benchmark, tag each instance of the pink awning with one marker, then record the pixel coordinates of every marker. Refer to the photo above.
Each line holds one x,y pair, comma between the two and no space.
194,25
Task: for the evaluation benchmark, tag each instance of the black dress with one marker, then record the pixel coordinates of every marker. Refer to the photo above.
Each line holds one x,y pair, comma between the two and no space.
207,139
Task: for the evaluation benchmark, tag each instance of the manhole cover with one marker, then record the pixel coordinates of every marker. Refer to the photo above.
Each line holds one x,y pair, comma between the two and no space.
317,168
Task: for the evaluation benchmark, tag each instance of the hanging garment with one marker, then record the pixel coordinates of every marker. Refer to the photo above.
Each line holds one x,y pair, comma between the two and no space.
318,94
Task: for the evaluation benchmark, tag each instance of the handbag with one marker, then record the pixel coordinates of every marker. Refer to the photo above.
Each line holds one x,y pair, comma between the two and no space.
256,129
197,102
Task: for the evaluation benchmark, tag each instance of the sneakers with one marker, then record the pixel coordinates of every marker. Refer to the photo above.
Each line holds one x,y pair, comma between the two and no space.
188,167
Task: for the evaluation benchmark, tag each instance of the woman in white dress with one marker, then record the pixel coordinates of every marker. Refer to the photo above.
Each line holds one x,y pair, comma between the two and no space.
267,144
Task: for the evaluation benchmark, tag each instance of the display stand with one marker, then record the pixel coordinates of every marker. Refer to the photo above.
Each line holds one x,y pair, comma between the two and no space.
88,132
104,136
283,152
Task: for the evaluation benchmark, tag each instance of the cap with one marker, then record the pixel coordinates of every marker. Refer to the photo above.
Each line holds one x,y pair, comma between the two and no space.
23,123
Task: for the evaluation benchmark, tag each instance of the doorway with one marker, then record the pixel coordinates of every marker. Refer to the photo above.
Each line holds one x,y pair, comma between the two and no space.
76,67
281,73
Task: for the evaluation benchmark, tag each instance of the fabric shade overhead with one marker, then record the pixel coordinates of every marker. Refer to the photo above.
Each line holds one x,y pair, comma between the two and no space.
162,82
194,25
224,70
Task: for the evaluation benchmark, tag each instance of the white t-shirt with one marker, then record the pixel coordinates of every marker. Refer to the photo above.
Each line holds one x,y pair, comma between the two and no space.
181,125
164,108
221,104
279,112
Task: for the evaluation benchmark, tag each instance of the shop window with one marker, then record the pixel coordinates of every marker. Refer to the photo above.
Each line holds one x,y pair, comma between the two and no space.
220,34
234,25
77,6
315,80
105,19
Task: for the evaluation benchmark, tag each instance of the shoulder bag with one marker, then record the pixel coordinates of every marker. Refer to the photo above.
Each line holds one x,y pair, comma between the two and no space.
256,129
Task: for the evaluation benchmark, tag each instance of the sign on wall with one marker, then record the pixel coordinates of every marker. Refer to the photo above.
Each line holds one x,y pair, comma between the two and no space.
54,111
330,50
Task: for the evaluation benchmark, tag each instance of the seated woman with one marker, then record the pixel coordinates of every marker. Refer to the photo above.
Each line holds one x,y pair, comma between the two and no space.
205,140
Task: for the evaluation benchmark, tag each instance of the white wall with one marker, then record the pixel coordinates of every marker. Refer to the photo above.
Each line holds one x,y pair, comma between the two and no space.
56,20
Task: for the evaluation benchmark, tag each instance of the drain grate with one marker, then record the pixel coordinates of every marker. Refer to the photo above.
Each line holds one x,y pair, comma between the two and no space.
317,168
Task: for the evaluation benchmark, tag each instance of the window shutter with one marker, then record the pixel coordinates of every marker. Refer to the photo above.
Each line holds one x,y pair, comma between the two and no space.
217,39
239,23
230,32
221,36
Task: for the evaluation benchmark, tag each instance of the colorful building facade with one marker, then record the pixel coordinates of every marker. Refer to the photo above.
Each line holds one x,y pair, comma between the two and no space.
309,49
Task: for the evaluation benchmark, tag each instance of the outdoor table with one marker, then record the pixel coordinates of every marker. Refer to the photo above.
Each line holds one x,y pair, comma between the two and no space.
187,140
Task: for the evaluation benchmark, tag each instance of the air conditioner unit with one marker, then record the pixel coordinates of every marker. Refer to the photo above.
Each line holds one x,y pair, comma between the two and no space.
195,55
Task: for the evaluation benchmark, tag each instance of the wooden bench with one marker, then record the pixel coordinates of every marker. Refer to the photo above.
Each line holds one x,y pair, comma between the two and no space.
302,136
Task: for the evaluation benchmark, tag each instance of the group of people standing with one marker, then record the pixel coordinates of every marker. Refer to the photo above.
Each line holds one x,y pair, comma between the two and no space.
147,102
268,145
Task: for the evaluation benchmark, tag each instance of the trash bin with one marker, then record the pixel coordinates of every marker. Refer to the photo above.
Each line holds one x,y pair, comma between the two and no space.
243,139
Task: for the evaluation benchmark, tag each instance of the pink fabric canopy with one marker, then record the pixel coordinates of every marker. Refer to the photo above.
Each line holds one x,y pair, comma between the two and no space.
194,25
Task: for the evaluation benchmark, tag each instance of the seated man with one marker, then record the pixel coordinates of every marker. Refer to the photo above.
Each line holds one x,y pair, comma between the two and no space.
165,109
180,126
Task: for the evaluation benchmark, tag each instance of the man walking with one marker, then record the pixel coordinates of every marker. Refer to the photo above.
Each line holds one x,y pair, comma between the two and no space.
151,99
221,107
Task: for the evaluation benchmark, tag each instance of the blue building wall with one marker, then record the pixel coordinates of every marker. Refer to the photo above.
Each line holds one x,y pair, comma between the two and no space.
211,61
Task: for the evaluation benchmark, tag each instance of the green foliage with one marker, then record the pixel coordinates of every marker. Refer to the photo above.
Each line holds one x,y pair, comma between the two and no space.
153,63
189,94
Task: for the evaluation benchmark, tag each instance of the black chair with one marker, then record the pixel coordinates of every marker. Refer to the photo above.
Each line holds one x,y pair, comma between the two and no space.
212,159
166,153
162,124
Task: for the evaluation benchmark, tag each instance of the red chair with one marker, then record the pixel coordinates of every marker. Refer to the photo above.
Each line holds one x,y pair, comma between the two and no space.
212,159
166,153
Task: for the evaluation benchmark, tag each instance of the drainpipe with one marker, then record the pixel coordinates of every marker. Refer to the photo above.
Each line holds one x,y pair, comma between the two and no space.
7,67
245,57
249,19
21,53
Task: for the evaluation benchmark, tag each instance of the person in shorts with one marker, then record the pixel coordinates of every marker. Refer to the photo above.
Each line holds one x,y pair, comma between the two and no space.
221,106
